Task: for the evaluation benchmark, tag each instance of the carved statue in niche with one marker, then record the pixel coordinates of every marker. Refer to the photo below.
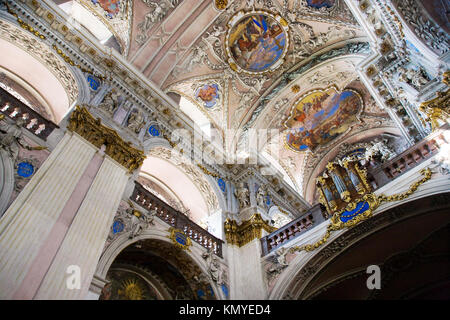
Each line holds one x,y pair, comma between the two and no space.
261,197
242,194
11,138
416,78
213,266
138,220
135,121
109,103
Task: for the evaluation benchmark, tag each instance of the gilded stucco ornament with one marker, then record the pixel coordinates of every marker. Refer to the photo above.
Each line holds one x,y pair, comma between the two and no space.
91,129
438,108
360,209
179,239
221,4
248,230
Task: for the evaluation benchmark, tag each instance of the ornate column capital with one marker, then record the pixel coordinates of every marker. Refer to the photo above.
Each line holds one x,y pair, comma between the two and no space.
248,230
91,129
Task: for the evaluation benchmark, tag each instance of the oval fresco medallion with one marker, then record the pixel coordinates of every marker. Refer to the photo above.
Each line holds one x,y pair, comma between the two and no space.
256,42
320,116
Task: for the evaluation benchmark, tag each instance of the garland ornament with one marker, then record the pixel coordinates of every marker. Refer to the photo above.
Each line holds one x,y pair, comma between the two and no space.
358,209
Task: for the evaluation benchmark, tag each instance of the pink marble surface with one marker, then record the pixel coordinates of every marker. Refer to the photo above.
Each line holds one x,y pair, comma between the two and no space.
49,248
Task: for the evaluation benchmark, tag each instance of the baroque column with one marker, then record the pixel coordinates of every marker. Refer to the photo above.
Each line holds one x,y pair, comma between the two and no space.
60,221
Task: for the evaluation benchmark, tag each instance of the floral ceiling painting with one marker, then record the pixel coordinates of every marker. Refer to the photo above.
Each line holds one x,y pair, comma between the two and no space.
257,42
320,116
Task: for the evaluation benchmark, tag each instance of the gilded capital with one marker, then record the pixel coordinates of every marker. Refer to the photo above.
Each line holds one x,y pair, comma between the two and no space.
248,230
91,129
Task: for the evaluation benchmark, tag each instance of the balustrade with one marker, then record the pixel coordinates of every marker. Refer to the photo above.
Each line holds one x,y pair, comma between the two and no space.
14,109
176,219
380,175
293,229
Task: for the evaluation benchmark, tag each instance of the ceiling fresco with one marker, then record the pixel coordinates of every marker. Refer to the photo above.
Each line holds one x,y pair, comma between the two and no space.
275,64
208,94
320,116
112,7
318,4
257,42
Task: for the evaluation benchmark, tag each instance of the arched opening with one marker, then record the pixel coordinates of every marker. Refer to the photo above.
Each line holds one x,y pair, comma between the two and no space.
182,186
25,76
415,264
152,269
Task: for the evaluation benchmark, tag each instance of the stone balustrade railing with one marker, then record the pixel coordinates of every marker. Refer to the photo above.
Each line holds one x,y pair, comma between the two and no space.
176,219
408,159
292,230
14,109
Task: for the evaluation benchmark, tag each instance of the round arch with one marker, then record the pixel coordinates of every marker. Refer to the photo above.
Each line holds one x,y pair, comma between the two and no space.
297,281
32,62
123,241
167,164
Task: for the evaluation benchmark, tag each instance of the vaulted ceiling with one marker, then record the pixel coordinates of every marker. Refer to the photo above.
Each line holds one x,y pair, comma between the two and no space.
289,65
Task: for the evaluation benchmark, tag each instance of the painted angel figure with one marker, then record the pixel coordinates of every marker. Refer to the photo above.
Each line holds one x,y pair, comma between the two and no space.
11,138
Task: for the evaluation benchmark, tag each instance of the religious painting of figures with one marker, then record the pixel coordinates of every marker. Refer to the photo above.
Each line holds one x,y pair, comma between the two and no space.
321,3
320,116
110,6
257,42
208,94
